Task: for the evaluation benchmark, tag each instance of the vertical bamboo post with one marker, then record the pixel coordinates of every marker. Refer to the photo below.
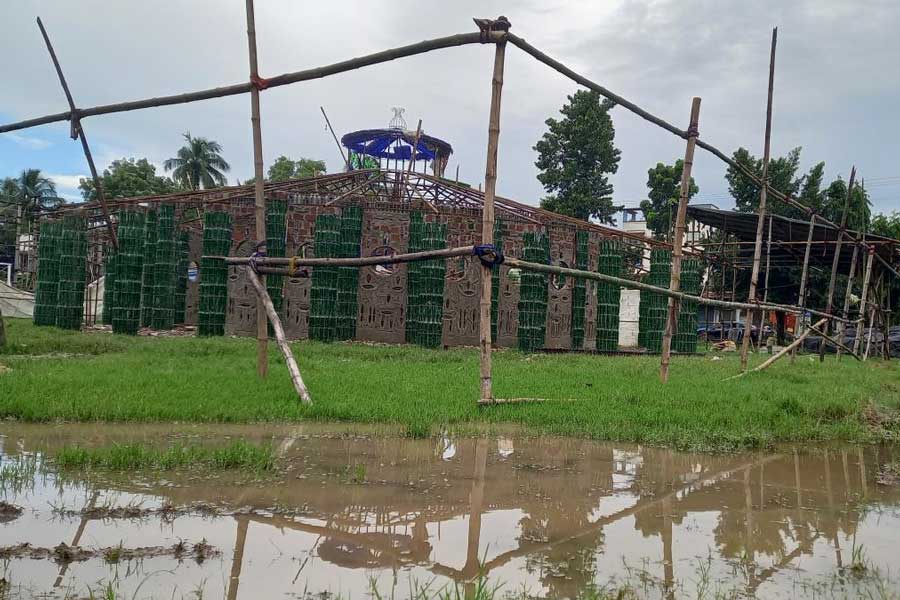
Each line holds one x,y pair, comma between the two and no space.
846,310
757,248
78,132
487,213
765,314
834,263
801,298
677,246
863,306
262,334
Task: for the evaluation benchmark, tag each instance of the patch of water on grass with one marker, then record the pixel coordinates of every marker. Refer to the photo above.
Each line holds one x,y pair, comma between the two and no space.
347,510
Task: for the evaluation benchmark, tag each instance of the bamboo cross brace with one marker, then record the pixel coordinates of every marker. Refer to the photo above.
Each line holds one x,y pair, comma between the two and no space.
835,342
277,328
784,351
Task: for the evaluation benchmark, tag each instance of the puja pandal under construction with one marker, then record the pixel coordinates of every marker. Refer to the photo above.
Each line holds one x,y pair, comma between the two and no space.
391,250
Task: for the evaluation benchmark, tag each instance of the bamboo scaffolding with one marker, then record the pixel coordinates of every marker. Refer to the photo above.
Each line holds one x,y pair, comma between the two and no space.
403,52
487,211
789,348
862,301
846,311
273,262
278,330
677,252
836,260
78,132
763,196
259,201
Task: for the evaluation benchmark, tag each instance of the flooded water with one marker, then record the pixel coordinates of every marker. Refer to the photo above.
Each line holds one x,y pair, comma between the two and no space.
537,516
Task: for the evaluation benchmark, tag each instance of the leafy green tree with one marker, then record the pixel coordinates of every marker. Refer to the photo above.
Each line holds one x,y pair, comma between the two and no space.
9,201
576,155
127,178
199,163
886,225
284,169
859,210
35,193
664,183
782,176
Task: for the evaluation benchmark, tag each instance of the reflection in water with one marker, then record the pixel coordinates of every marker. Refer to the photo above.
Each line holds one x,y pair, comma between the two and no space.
551,516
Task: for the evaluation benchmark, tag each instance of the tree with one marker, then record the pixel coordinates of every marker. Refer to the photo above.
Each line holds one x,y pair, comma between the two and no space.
782,176
34,193
886,225
859,210
575,157
126,178
664,182
284,169
199,163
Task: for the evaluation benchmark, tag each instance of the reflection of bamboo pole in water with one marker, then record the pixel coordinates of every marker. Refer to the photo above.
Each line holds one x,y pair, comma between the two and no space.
476,500
797,479
830,496
748,524
78,533
846,473
862,472
668,564
238,558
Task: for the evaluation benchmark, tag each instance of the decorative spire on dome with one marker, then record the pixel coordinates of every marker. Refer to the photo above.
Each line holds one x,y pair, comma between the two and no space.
397,121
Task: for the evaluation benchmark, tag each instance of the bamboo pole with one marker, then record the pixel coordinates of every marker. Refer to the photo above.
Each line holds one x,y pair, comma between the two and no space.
801,298
837,257
789,348
863,307
638,285
487,212
513,262
259,203
838,344
846,311
277,81
266,302
757,248
677,251
361,261
78,132
334,135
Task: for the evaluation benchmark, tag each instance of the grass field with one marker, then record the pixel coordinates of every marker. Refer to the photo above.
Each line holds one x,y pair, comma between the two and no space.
58,375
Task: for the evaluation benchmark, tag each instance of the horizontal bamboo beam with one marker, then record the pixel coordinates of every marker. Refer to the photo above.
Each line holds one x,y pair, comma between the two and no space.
271,264
362,261
279,80
637,285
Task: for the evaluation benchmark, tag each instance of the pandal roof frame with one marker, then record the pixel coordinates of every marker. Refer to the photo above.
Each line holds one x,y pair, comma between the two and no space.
377,185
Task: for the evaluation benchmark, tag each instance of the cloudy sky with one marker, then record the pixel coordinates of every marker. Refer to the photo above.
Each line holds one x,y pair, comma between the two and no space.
836,95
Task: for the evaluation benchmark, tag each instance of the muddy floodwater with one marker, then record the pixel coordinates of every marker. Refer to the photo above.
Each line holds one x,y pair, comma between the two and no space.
540,517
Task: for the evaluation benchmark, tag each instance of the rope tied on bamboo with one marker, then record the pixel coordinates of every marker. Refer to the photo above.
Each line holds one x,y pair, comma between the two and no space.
259,251
488,26
260,83
488,254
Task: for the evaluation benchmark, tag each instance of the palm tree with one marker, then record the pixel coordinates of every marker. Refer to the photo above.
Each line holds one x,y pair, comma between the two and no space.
198,163
35,193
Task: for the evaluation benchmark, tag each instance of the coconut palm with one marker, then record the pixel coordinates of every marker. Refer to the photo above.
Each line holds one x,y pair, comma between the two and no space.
199,163
35,193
